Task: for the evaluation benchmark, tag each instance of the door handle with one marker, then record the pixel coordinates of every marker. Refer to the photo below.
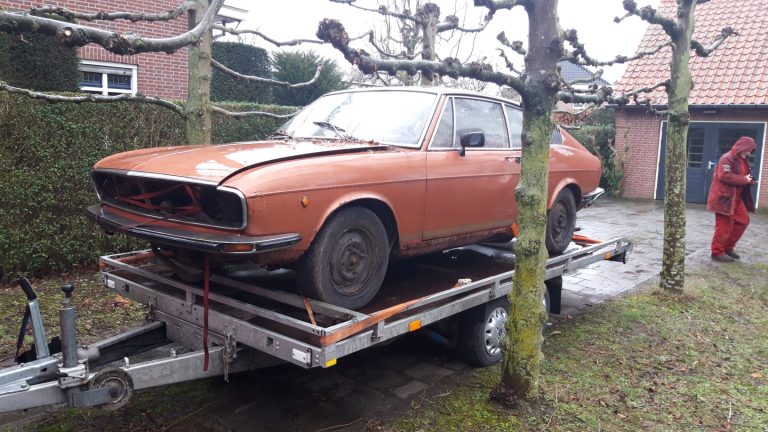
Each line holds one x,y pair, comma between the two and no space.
515,159
711,164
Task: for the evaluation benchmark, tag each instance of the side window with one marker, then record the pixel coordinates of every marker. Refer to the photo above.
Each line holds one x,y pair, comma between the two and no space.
444,134
474,114
515,126
557,137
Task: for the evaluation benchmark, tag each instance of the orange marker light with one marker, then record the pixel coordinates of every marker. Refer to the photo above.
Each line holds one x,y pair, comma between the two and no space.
414,325
235,248
305,201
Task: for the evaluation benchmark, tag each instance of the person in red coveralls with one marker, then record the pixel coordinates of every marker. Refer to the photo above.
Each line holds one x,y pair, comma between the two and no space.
730,198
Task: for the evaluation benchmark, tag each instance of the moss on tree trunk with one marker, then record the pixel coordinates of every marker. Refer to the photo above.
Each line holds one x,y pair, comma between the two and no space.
197,125
673,259
522,348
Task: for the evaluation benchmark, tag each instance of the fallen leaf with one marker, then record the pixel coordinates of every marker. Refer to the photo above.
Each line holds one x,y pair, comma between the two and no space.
757,375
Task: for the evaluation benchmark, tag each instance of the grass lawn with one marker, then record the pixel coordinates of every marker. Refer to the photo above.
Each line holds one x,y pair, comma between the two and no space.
649,362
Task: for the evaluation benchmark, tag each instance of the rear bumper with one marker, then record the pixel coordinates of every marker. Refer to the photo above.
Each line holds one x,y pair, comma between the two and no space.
204,242
589,198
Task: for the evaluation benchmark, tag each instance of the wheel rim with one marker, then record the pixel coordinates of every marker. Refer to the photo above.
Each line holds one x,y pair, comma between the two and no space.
561,222
351,261
495,330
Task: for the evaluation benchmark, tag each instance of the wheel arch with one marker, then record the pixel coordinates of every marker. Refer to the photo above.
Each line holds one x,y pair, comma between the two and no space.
378,205
569,184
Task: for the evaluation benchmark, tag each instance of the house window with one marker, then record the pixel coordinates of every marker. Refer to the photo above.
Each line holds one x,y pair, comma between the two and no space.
108,78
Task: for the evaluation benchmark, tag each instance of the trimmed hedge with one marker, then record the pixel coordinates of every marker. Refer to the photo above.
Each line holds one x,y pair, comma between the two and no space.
47,150
38,62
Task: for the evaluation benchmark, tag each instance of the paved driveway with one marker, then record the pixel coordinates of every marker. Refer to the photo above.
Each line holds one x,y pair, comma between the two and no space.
380,382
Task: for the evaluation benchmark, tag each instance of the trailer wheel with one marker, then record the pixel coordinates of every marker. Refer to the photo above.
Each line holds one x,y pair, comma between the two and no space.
483,328
561,222
481,332
121,383
347,261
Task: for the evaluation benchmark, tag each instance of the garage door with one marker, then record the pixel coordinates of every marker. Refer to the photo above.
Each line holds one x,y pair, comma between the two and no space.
706,143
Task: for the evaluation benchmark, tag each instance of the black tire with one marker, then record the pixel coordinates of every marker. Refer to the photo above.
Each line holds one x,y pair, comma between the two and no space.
561,222
481,331
347,261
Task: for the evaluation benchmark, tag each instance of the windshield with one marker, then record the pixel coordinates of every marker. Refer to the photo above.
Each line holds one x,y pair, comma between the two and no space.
387,117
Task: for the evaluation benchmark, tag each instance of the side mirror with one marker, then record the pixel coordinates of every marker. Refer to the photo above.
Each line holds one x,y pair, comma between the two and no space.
470,138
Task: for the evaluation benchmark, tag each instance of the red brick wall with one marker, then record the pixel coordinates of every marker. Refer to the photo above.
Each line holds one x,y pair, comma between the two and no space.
159,74
639,134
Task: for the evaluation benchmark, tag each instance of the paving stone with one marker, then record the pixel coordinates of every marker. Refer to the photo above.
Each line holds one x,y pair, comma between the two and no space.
428,372
410,389
386,380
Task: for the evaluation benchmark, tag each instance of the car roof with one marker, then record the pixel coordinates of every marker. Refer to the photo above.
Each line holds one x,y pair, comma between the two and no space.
432,90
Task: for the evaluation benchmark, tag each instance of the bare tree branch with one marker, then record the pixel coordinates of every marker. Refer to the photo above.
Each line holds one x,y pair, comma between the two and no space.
54,98
516,46
594,77
703,51
103,16
580,56
495,5
605,95
220,67
649,15
77,35
332,31
509,64
241,114
452,23
265,37
381,10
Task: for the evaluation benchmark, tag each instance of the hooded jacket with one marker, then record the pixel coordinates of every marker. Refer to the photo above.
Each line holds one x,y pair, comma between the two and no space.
730,180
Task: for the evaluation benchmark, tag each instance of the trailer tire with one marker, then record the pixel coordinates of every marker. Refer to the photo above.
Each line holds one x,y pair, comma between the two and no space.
347,262
561,222
481,331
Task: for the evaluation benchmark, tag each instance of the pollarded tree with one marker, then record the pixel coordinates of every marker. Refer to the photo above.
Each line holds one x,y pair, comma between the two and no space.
411,30
680,31
540,87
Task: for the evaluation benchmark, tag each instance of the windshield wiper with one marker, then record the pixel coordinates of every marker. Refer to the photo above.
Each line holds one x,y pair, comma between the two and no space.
280,134
341,133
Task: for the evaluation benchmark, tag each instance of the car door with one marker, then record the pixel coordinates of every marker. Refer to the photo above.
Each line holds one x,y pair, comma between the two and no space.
474,192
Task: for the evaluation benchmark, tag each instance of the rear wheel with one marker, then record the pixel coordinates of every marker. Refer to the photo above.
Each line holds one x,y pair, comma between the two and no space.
482,331
347,261
561,222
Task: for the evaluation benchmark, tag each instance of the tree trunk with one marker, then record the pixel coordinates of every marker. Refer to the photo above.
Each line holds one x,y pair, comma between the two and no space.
673,260
522,351
428,17
197,125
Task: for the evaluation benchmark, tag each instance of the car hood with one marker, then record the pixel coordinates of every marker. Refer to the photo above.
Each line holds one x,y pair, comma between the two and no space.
216,163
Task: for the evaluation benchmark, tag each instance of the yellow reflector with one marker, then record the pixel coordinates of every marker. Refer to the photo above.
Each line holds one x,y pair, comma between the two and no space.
608,255
237,248
305,201
330,363
414,325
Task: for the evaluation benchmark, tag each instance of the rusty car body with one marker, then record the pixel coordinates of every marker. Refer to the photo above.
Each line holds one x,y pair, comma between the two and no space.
354,179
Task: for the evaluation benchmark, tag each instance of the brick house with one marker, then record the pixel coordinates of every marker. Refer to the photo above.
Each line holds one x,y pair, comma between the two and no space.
729,100
151,74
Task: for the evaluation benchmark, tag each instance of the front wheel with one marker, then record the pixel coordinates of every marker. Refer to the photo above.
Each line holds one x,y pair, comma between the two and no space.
561,223
347,262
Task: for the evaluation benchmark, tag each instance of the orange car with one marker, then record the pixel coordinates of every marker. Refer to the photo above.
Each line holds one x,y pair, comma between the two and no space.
354,179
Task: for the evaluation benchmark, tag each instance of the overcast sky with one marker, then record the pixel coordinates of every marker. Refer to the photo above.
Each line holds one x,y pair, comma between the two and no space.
593,19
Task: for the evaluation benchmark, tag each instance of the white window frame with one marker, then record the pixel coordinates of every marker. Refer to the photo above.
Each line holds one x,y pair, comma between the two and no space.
106,68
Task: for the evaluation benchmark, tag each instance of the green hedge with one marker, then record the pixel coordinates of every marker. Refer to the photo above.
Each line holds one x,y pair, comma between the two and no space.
38,62
247,60
46,152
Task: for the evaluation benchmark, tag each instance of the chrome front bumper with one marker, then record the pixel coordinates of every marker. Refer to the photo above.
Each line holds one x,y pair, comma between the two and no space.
589,198
204,242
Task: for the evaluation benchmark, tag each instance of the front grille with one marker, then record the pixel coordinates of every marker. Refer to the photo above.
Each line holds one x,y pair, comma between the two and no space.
172,200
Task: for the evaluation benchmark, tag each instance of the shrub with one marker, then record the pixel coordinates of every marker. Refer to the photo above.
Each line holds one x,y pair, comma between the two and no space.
244,59
597,133
299,67
47,150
